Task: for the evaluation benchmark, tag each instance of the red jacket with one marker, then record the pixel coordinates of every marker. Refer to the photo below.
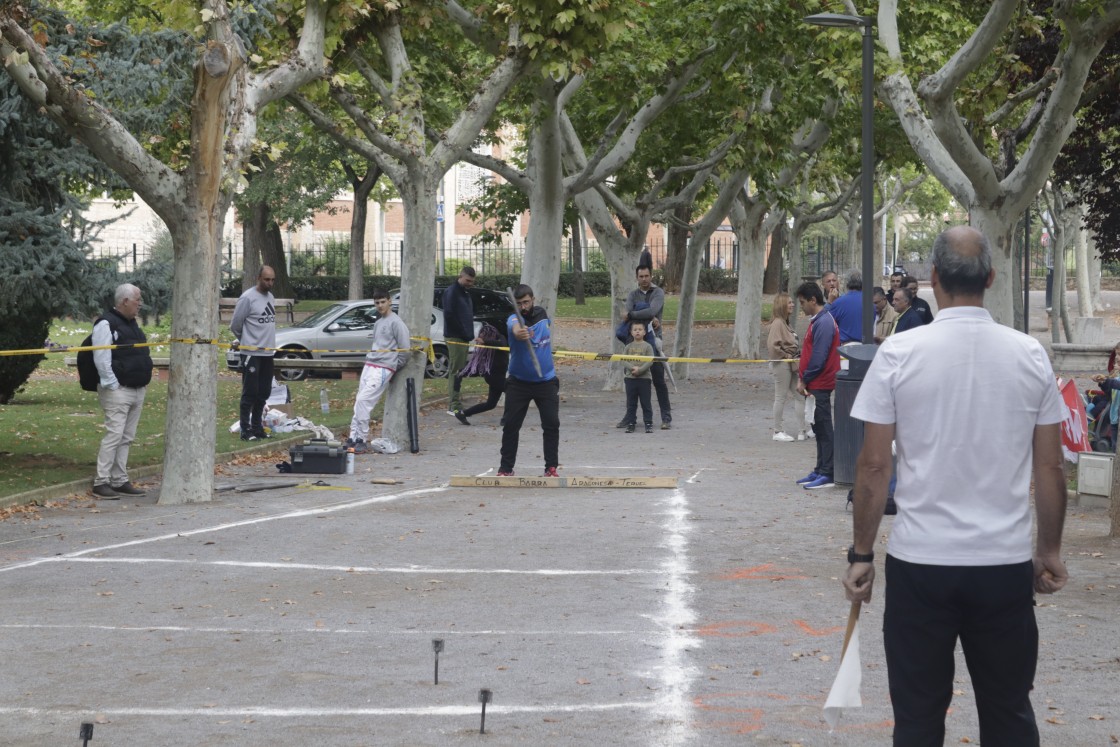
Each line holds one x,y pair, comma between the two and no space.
820,357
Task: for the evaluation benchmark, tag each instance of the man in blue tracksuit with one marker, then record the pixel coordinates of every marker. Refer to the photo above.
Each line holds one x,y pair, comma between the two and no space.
530,382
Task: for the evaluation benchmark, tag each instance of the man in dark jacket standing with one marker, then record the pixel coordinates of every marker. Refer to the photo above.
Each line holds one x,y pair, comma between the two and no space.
125,373
458,331
646,304
816,373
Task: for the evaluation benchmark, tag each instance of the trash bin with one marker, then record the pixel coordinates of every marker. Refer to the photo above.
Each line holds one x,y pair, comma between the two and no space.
848,438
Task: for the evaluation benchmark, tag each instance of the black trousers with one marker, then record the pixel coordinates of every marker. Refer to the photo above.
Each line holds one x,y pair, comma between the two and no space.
519,394
496,385
991,610
822,429
256,386
657,370
638,390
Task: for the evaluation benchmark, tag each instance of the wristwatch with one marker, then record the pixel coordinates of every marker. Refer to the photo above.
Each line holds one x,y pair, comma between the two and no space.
854,557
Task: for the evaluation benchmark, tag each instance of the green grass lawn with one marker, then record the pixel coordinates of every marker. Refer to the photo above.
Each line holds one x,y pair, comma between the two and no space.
707,309
51,430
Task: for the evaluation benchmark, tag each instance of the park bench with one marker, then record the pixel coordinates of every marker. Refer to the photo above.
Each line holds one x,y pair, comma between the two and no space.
287,305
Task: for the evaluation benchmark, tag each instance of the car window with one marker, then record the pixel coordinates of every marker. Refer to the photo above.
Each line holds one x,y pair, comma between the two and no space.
319,316
490,302
359,317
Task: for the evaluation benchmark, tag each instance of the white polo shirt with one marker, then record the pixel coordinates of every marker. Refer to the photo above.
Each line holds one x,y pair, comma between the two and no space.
965,395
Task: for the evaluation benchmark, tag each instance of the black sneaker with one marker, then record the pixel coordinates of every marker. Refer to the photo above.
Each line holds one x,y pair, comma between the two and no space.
129,489
249,436
461,417
629,427
649,427
106,493
261,433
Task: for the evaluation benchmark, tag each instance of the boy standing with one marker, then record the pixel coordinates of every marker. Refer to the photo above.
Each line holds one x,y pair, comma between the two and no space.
389,351
638,379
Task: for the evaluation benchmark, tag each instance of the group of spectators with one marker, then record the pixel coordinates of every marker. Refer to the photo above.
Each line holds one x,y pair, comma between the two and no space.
897,309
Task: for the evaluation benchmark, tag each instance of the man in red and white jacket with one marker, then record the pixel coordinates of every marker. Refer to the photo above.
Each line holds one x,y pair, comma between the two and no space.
816,374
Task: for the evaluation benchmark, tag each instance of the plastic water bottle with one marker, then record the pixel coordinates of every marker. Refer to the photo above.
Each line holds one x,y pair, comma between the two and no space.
324,401
349,461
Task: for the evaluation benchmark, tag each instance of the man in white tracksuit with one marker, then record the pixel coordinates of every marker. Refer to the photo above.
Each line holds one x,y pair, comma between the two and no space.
389,351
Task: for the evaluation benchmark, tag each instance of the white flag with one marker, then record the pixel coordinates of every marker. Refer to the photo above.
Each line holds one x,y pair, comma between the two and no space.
845,689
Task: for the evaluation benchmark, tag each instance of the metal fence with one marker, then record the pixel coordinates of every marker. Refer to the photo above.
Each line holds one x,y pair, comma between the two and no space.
332,257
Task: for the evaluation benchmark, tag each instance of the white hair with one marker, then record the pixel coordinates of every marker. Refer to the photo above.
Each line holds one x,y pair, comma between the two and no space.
125,291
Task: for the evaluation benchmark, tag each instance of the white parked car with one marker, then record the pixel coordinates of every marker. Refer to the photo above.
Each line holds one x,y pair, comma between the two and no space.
346,329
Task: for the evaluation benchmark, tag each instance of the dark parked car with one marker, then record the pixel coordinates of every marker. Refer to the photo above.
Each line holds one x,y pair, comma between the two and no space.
490,306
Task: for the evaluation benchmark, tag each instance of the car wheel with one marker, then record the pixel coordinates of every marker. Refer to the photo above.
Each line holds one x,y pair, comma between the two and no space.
437,368
291,374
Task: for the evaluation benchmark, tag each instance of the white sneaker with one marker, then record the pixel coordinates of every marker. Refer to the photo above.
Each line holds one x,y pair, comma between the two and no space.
782,436
801,436
810,434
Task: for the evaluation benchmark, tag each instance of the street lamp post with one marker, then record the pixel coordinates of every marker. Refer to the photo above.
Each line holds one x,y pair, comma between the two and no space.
867,185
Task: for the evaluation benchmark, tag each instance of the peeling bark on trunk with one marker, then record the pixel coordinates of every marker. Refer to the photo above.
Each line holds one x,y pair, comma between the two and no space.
998,229
418,267
547,198
621,253
751,227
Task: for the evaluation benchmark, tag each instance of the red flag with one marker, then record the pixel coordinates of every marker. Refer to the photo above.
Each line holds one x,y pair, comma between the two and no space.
1075,430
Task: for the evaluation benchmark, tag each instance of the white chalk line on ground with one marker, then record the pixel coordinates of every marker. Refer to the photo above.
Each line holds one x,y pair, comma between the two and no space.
412,569
335,712
674,672
644,635
300,513
676,622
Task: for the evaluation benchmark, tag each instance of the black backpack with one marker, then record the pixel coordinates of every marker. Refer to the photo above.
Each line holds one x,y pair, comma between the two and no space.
87,371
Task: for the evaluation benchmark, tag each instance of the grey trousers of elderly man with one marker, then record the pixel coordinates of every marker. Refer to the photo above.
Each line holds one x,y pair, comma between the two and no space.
122,408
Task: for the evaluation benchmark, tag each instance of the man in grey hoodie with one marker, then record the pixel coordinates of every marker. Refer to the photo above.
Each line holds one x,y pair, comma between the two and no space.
389,351
254,326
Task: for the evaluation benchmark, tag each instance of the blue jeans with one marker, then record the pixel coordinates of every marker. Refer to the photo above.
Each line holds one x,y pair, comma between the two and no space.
822,429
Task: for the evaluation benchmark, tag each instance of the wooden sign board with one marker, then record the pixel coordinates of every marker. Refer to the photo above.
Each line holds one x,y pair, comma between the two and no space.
490,481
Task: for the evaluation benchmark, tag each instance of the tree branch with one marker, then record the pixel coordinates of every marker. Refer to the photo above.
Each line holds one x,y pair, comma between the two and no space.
87,121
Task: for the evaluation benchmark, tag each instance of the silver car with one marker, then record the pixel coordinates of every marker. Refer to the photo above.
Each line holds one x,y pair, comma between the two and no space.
346,330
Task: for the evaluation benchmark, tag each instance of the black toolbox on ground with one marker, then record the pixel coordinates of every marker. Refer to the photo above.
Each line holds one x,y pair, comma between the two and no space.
318,456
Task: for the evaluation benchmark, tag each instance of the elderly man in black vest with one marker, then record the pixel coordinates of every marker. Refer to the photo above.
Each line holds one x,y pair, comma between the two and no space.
125,372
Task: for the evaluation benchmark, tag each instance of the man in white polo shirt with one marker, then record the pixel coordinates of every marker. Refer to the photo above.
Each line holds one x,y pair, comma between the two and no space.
974,409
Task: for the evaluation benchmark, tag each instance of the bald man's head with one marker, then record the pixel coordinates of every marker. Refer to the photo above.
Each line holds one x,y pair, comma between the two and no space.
963,261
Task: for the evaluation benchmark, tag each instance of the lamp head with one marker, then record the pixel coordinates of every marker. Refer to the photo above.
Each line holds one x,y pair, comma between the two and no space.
839,20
